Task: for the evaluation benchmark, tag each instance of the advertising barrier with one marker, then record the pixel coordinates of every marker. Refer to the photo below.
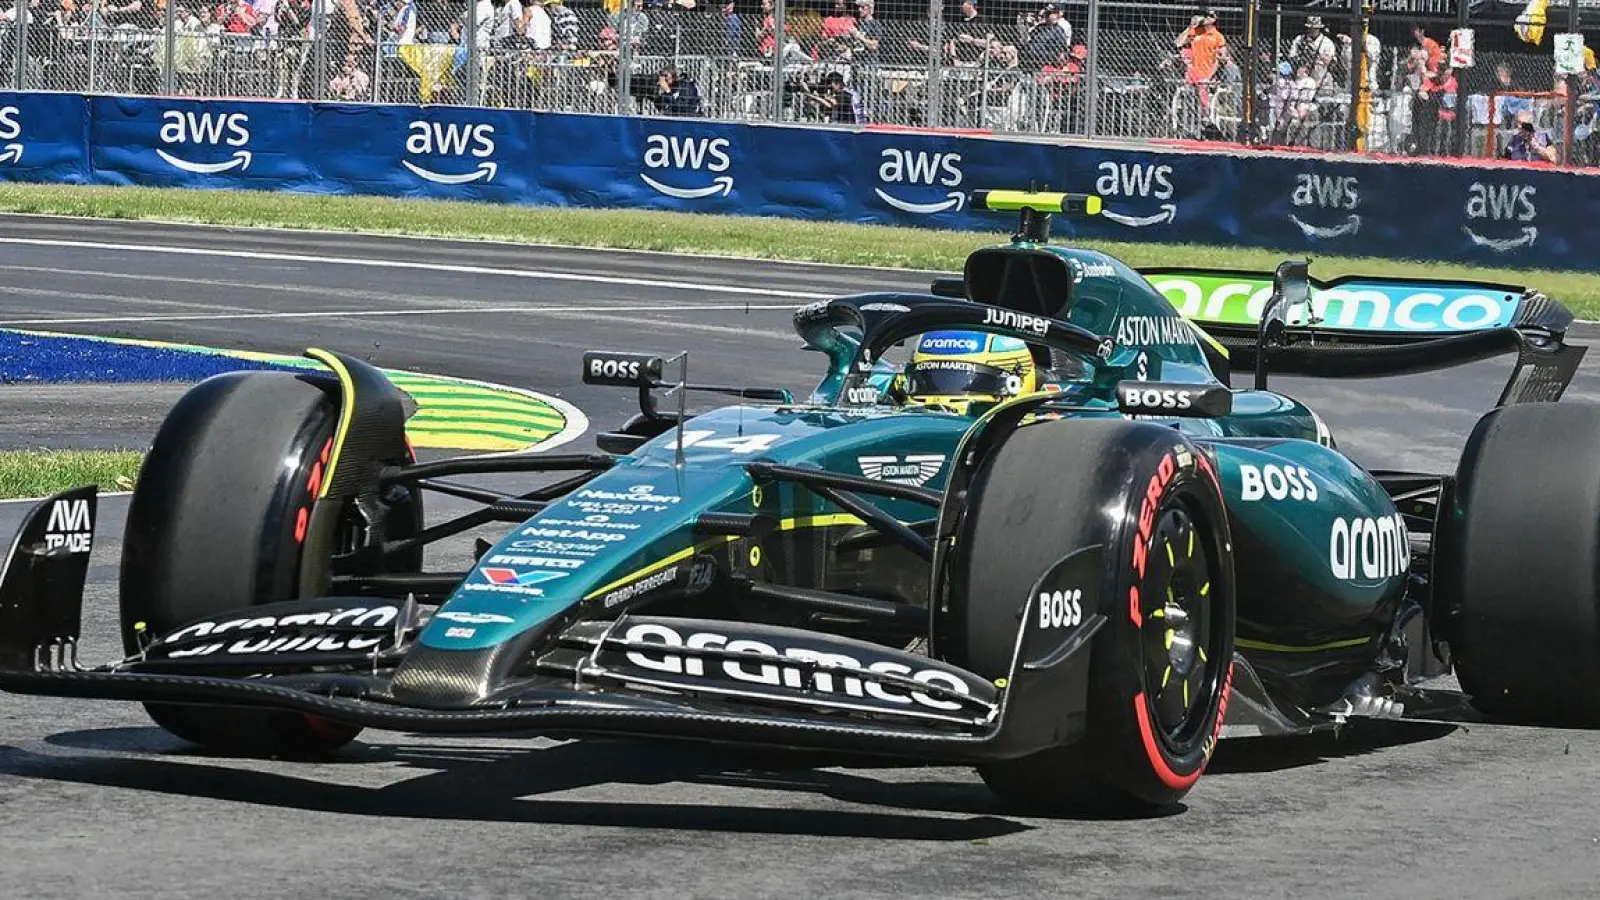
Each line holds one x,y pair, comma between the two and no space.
1494,214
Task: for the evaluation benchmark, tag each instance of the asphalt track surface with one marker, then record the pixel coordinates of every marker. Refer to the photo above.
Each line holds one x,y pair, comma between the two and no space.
95,801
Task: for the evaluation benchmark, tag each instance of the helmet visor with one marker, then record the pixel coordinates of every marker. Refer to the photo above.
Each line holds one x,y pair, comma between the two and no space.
950,378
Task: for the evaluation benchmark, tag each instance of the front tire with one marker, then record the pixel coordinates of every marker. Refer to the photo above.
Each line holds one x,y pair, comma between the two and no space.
216,523
1519,564
1161,666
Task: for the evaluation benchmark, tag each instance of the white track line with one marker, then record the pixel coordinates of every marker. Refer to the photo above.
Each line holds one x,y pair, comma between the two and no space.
155,222
102,496
612,309
700,287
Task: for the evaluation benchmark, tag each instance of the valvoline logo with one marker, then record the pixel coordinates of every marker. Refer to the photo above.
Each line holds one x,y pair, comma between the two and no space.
190,133
919,173
525,577
687,167
453,141
10,130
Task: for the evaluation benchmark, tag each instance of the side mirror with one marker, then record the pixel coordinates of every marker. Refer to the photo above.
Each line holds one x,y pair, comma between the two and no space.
1291,288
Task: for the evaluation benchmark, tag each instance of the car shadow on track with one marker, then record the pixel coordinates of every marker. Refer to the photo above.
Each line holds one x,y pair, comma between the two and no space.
500,783
497,782
1258,755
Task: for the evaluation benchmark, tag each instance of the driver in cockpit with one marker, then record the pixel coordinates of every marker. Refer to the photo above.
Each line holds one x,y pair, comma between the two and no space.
954,369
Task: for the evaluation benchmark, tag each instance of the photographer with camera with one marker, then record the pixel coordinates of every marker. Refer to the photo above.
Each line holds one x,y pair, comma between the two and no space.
676,95
831,101
1046,37
1529,144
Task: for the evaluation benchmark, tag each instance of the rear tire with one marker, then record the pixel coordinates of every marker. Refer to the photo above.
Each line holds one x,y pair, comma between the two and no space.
216,523
1520,559
1153,712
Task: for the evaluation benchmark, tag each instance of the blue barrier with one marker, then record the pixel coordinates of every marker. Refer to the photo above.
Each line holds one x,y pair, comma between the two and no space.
1495,214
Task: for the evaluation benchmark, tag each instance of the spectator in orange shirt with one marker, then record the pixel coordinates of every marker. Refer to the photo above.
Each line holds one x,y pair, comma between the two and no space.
1431,47
1205,44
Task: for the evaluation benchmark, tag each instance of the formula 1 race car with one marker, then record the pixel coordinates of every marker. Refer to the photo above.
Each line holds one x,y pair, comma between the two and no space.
1076,572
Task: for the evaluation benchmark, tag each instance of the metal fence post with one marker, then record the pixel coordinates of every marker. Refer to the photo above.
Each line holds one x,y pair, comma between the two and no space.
473,61
1357,121
19,45
1247,108
1571,86
1463,114
624,57
933,95
319,48
169,78
1091,83
377,56
94,44
779,44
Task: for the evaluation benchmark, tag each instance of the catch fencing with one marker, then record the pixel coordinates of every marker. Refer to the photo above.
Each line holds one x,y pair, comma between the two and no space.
1093,68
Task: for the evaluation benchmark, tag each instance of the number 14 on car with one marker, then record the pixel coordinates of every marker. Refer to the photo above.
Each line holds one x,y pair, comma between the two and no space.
737,445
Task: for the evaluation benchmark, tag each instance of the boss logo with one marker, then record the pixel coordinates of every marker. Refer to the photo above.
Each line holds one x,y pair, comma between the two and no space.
620,368
614,368
1276,482
1173,399
1060,609
1157,399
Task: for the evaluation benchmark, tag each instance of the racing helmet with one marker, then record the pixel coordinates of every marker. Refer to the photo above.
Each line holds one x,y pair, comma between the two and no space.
955,368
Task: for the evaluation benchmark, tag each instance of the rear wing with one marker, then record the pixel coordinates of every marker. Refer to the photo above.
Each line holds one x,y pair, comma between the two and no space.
1361,326
1363,308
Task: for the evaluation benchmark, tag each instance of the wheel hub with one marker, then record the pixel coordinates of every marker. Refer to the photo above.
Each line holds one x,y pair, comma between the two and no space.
1177,632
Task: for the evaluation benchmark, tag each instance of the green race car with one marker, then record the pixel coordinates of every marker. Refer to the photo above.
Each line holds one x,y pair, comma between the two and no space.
1026,521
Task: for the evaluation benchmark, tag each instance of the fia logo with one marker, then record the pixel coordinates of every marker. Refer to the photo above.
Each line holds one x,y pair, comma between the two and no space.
1317,192
921,169
454,139
1137,181
683,153
185,131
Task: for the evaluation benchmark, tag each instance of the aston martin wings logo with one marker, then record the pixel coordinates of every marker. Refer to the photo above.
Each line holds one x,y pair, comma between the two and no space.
914,470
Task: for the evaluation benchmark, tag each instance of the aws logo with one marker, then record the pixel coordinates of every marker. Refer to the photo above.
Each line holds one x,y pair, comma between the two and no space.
1136,181
921,170
185,132
456,140
10,130
1507,203
1319,192
688,156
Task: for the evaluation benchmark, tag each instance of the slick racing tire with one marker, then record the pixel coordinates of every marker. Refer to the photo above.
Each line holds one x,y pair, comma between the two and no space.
216,524
1518,568
1160,666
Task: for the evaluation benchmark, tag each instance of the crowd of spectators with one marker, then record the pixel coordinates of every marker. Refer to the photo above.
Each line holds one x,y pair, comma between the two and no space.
1018,67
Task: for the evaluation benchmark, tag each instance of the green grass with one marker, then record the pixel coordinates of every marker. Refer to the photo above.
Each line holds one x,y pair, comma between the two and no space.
687,233
35,473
